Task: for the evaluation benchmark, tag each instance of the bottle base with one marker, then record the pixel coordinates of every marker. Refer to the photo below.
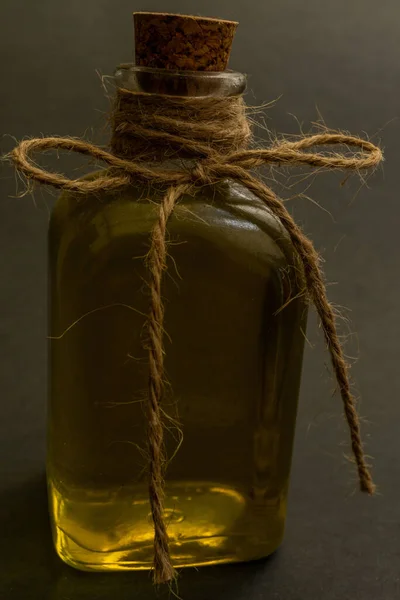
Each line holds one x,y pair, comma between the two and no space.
208,524
124,562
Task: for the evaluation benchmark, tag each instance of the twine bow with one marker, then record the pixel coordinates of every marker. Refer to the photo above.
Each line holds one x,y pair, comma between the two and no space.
212,165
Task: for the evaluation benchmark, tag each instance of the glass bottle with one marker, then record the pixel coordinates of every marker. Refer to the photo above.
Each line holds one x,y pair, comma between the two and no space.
233,362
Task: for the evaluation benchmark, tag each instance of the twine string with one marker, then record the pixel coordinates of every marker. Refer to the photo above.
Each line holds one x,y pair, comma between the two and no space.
195,127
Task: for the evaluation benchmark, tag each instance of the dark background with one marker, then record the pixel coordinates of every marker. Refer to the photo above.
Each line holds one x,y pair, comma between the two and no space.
341,57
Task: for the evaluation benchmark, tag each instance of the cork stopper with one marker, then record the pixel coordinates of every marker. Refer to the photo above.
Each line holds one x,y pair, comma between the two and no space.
182,42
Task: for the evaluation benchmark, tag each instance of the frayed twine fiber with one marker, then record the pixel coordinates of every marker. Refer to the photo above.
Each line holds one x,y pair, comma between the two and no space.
215,132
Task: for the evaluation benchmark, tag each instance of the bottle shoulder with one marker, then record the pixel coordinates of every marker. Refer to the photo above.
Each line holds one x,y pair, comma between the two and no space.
226,214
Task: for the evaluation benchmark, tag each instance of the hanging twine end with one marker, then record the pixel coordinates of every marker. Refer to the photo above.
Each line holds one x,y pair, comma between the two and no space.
367,485
164,572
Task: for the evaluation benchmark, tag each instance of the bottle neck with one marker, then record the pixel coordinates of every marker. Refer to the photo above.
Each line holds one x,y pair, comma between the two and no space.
164,115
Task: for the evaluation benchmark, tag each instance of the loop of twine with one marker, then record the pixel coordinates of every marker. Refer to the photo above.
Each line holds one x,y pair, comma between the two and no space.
198,127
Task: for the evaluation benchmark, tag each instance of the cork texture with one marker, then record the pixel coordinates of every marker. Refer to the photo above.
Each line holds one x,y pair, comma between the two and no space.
182,42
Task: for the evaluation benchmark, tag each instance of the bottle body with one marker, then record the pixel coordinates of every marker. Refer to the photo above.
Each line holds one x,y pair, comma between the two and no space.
233,362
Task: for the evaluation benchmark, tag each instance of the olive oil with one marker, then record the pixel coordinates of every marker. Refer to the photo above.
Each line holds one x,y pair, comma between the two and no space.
233,362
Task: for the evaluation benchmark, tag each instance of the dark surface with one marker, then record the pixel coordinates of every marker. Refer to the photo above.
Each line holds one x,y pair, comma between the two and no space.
340,56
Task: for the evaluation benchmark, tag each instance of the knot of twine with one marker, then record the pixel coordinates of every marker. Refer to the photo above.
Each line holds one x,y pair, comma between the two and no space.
215,132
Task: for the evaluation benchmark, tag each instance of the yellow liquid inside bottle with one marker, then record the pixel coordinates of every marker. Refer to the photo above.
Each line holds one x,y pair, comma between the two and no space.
233,364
